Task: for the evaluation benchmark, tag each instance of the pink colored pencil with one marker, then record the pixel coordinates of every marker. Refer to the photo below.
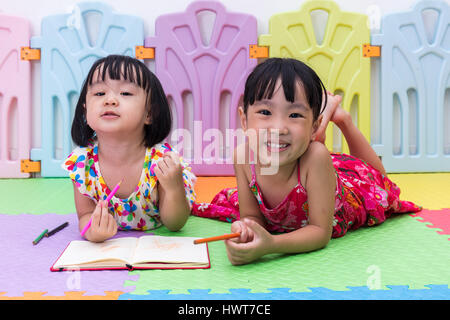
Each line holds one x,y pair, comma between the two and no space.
86,227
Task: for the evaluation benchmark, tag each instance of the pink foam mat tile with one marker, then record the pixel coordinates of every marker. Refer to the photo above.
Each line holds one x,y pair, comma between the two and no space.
439,219
26,267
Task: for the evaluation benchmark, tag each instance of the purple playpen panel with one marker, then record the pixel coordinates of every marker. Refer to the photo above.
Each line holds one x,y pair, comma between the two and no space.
15,95
212,73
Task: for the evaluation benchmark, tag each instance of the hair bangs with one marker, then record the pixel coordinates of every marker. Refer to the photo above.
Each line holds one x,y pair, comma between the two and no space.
261,83
125,68
265,81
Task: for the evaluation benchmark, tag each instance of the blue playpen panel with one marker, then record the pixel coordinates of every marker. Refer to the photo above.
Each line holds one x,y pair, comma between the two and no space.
70,44
415,70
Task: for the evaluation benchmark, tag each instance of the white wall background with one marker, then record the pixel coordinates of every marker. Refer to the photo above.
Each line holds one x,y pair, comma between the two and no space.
149,10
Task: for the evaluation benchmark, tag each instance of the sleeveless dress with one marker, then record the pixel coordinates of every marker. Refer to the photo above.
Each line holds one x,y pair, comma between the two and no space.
363,197
140,210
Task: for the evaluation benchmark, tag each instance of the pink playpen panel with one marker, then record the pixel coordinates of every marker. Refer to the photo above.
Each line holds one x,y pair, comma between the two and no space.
15,95
204,80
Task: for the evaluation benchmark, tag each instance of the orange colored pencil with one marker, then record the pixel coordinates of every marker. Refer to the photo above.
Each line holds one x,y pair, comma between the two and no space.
217,238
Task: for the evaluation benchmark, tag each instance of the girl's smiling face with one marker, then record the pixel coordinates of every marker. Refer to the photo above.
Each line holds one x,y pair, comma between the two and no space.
116,106
292,120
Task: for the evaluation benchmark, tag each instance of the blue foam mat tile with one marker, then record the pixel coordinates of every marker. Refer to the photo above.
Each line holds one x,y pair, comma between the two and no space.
435,292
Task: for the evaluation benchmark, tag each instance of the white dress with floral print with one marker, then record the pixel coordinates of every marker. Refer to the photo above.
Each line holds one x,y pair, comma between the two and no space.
140,210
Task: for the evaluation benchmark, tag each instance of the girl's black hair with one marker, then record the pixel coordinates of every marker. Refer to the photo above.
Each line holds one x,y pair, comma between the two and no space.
118,67
261,82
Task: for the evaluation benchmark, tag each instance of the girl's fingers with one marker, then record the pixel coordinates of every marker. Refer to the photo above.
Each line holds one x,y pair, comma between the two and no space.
105,215
112,226
238,226
158,171
96,216
173,157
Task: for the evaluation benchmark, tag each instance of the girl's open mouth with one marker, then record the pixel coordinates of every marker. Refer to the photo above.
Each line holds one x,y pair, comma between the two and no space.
277,147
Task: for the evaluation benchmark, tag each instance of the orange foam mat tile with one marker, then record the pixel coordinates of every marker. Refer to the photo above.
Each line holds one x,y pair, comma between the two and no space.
69,295
207,187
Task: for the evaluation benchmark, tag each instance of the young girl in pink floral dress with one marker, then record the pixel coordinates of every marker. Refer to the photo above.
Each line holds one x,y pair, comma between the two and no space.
120,121
314,195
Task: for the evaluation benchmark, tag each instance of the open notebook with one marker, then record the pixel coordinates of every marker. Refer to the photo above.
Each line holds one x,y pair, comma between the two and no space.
146,252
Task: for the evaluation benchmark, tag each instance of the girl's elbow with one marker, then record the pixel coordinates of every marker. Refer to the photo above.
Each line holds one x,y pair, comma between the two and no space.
324,239
175,224
324,242
173,228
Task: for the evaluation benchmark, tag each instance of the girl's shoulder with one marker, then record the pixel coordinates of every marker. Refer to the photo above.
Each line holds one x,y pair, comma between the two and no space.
241,161
316,154
316,158
81,156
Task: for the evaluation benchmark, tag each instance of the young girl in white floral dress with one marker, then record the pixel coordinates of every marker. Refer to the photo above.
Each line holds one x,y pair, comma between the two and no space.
120,122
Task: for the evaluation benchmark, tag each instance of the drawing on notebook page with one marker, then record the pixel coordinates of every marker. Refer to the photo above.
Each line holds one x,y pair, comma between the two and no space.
108,247
159,245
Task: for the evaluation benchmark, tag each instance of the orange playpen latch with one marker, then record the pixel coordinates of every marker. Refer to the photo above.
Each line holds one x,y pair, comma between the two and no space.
371,51
27,53
256,51
145,53
29,166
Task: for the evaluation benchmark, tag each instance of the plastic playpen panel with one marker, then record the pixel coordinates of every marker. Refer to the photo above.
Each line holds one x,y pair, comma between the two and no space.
338,59
415,80
15,97
204,80
70,43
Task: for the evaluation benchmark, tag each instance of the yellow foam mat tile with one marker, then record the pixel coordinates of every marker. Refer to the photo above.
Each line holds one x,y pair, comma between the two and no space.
429,190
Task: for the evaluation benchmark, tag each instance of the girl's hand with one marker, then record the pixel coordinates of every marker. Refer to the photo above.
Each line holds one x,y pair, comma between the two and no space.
103,224
258,243
169,171
246,233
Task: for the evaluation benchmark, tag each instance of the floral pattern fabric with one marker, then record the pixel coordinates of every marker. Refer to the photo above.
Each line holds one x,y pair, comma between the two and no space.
140,210
364,197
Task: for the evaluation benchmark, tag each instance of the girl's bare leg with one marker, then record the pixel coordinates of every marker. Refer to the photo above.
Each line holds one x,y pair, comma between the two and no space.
358,145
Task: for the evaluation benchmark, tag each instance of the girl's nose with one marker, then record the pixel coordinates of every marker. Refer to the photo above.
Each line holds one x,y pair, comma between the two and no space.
111,100
281,127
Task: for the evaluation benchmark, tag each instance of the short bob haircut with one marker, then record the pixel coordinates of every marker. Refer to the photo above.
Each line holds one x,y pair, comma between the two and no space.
118,67
261,82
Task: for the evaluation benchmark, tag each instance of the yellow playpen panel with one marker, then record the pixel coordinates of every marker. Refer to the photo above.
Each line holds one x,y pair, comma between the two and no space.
338,59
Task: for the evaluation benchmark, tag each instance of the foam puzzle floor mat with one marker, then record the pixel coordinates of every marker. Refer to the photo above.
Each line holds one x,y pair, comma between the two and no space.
407,257
401,251
433,292
26,267
436,219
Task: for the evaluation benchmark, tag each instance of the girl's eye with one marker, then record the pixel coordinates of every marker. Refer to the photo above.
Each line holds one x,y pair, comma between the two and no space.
264,112
98,94
295,115
126,93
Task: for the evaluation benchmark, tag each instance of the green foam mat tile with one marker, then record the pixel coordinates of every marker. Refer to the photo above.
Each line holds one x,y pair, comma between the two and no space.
37,196
401,251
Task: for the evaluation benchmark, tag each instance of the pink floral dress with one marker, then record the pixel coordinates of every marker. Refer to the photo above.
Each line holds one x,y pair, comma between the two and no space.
364,197
140,210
